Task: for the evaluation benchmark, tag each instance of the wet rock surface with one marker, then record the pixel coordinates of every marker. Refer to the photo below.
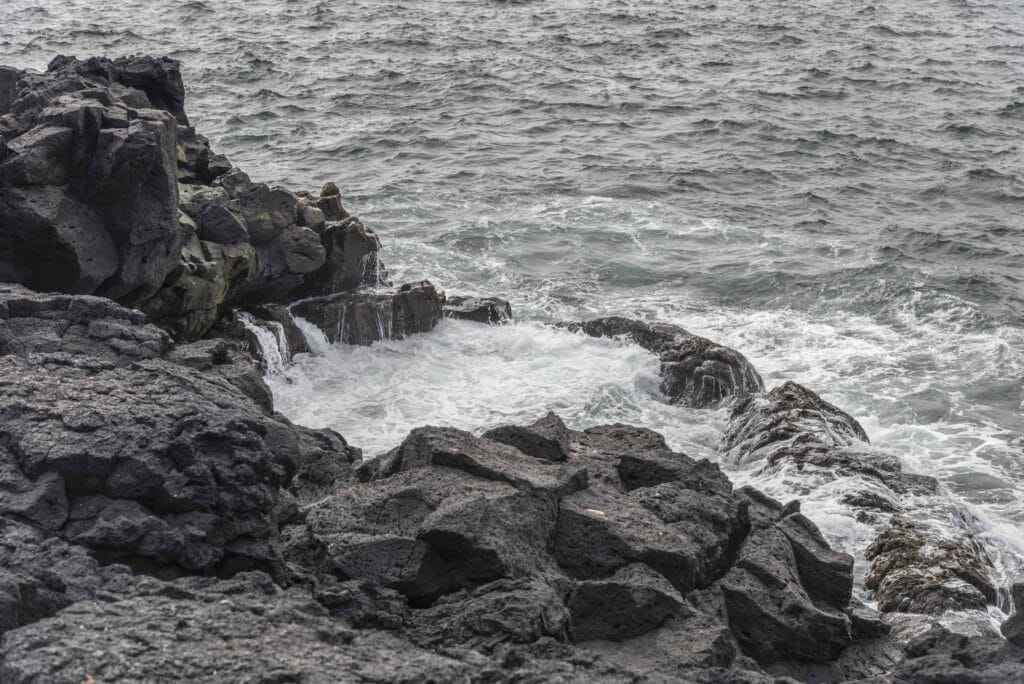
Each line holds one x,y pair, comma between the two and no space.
914,570
363,318
490,310
695,371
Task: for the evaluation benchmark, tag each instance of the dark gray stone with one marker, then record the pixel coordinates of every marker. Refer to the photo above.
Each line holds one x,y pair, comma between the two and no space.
547,439
366,317
695,371
490,310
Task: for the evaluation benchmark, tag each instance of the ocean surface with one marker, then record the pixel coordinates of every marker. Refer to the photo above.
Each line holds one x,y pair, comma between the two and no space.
836,189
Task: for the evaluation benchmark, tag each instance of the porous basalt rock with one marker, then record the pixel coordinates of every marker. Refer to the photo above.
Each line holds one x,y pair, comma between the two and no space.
914,570
939,655
695,371
599,543
162,464
245,629
548,438
88,182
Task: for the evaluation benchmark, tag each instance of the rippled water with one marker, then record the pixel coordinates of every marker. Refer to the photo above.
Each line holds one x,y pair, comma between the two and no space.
834,188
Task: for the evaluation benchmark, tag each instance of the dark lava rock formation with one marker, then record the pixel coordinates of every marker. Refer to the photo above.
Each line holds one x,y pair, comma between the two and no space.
130,469
695,371
106,189
160,522
914,567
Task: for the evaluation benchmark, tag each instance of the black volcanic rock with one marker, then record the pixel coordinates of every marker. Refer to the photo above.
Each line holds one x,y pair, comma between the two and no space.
695,371
352,259
547,439
365,317
600,544
139,459
939,656
245,629
88,184
914,570
106,189
793,425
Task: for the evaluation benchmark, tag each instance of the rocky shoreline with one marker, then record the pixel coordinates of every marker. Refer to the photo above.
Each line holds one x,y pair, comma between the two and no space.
159,521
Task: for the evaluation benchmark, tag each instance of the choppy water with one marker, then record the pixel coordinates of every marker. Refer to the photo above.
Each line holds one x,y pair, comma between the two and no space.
834,188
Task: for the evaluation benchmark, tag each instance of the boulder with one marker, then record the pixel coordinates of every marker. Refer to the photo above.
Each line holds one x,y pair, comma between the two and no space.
695,371
351,260
916,570
547,439
507,611
363,318
490,310
771,612
630,603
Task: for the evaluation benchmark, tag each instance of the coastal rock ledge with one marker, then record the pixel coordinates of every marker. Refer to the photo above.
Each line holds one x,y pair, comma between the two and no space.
159,521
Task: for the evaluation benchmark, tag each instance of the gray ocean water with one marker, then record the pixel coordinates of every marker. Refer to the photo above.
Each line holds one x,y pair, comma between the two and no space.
834,188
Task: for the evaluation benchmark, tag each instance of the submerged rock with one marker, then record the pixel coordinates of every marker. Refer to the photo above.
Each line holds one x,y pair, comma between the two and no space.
695,371
793,425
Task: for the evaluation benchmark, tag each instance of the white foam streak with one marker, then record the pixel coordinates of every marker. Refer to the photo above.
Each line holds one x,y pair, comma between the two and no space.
273,343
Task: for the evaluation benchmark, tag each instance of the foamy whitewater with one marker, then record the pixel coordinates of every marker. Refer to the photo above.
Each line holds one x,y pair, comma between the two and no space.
833,189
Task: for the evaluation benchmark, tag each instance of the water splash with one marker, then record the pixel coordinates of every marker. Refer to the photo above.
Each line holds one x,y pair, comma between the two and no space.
270,336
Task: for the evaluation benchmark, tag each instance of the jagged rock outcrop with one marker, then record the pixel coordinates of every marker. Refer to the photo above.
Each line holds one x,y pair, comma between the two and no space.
587,537
916,567
547,438
370,316
490,310
352,259
135,457
88,177
695,371
106,189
